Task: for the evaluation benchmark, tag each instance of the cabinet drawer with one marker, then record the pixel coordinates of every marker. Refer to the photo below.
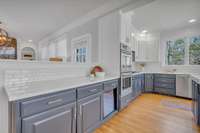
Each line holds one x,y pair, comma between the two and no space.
165,91
165,85
165,80
89,90
165,76
109,85
38,105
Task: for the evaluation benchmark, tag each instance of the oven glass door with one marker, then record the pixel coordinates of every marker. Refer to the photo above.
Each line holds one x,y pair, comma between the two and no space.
110,102
127,83
126,62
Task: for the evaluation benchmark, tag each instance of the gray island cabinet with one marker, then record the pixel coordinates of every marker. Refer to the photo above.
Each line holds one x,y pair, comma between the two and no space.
89,108
78,110
54,113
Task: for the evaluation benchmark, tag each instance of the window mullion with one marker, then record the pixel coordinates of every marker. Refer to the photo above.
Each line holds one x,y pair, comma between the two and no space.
187,52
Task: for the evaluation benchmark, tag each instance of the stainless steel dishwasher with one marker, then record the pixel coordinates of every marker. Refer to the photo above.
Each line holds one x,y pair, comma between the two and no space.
182,86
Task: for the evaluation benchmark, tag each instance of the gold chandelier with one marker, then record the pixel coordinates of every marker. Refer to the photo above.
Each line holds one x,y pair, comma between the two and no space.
3,37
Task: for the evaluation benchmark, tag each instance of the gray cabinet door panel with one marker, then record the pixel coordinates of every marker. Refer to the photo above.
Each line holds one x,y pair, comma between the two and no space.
58,120
89,114
164,85
149,83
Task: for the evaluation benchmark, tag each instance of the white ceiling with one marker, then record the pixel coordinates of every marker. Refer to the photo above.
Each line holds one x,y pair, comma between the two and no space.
35,19
163,15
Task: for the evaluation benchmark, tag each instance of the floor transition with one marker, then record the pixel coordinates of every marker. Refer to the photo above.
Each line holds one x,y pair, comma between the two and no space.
152,113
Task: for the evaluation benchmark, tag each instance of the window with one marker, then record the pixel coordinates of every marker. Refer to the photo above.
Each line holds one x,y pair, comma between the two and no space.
194,51
52,49
176,52
55,48
80,49
61,48
183,51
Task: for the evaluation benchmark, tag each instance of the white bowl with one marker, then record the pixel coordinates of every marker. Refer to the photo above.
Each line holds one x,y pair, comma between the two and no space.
100,74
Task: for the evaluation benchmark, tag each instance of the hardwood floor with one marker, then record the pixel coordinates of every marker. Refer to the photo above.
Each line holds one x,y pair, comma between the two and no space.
152,113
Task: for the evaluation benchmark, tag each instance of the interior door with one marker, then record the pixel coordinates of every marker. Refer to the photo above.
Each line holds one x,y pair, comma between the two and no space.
58,120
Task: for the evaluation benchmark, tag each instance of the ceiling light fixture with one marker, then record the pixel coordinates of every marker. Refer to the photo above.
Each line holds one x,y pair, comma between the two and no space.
192,20
144,31
132,34
30,40
3,37
142,35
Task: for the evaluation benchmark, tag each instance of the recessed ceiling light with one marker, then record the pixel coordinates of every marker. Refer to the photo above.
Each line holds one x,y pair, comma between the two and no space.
30,40
192,20
132,34
144,31
142,35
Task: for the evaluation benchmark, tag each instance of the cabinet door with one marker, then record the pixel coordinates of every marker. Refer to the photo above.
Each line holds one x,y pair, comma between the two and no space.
193,95
89,114
134,91
58,120
149,82
139,86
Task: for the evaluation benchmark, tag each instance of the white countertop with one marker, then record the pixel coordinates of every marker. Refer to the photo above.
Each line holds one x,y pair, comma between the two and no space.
195,77
31,89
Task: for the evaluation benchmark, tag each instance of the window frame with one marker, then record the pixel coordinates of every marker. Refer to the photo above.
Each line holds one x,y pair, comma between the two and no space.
186,58
75,41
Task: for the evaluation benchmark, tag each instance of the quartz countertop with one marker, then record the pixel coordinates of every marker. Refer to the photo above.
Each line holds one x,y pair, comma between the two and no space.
30,89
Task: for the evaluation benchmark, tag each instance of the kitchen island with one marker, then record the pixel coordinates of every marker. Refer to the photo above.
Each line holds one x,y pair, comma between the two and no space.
69,105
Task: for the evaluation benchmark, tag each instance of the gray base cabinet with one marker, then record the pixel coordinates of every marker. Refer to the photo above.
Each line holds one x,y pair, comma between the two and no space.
196,101
89,114
165,84
138,85
125,100
149,83
89,108
58,120
78,110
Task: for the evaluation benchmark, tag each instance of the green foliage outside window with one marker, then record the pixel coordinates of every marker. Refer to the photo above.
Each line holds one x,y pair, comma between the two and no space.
176,52
194,51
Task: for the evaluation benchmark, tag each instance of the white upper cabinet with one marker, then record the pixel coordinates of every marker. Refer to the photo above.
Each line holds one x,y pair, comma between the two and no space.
126,27
146,50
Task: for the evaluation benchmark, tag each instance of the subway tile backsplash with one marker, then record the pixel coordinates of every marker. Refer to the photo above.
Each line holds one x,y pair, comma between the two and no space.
19,76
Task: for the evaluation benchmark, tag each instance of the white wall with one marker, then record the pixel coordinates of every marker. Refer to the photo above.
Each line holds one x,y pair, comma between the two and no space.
90,27
109,48
171,35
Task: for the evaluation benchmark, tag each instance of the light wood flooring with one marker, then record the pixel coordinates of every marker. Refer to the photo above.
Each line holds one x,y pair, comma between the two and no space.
149,113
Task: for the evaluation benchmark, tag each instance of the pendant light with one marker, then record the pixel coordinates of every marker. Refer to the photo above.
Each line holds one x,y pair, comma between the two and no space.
3,36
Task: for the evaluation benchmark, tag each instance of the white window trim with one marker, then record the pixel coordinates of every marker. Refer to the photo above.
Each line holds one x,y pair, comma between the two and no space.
186,58
86,37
